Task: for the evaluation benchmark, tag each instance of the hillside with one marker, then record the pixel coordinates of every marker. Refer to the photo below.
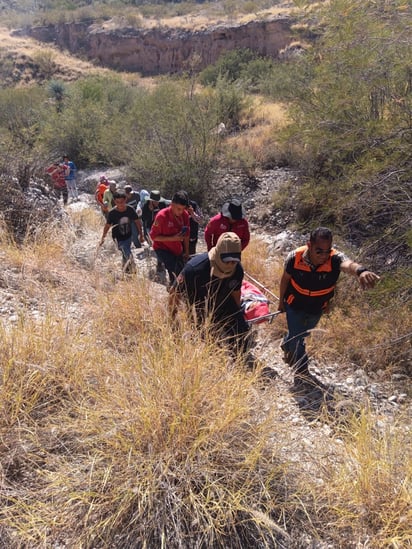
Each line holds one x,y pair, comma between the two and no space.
120,429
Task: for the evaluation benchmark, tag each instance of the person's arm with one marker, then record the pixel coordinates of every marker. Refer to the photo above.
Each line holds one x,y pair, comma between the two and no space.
367,279
139,226
208,235
284,282
195,214
105,231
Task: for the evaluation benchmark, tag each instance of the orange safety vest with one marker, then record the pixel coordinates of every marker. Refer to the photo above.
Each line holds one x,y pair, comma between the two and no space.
101,187
311,289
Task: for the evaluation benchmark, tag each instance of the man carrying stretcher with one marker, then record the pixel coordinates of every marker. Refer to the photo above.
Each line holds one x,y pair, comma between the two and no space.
211,283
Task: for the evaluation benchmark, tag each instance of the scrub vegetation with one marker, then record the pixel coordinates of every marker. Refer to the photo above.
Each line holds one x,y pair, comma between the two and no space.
117,431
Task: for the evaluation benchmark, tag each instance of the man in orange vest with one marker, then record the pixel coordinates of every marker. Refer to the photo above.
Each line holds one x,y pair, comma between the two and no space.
306,287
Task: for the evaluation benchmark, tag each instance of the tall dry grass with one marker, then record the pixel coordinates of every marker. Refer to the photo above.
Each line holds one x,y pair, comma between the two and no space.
370,488
118,431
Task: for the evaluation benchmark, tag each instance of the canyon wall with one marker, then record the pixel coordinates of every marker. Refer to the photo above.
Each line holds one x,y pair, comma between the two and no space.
164,50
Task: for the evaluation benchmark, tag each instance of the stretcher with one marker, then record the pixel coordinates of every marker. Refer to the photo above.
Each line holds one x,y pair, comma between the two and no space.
255,305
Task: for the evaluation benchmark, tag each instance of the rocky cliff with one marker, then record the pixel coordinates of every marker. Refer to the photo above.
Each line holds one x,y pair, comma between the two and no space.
164,50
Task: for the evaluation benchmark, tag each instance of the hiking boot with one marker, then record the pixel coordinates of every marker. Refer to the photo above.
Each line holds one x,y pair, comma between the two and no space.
287,355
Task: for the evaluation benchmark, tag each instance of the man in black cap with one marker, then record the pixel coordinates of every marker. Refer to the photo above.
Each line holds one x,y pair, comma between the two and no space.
153,204
231,218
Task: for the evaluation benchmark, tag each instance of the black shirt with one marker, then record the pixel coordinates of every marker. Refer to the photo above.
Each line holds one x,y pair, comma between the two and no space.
201,289
121,222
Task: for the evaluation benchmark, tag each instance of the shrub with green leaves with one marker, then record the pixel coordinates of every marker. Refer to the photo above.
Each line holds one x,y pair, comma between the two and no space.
351,128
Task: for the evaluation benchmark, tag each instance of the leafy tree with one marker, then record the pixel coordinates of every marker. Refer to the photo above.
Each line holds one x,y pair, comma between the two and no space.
22,118
229,66
172,143
351,130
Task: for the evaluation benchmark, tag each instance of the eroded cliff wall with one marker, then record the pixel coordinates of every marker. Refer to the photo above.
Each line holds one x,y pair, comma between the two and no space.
164,50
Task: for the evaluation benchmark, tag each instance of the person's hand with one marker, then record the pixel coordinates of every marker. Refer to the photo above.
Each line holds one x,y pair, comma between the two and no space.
185,258
142,239
281,307
368,279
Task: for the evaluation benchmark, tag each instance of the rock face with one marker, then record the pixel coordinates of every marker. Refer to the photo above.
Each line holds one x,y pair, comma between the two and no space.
164,50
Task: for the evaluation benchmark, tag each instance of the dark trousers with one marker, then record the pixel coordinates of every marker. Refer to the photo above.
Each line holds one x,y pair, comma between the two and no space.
173,263
300,324
62,192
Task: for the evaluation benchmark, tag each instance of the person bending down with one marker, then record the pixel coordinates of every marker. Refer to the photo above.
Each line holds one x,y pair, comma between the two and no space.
210,284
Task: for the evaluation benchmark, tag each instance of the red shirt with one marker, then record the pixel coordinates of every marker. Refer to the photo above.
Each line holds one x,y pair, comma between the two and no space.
220,224
57,173
167,224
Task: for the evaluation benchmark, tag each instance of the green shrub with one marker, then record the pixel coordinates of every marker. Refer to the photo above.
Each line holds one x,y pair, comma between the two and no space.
229,66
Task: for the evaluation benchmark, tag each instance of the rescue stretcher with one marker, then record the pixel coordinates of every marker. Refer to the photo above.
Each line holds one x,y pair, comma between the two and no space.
255,304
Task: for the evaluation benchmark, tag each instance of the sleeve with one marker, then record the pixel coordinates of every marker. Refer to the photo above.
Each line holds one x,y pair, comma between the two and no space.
338,258
182,280
209,234
238,278
156,229
289,261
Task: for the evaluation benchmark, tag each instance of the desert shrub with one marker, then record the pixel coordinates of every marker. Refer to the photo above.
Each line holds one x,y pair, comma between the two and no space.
22,117
171,138
45,59
229,66
351,126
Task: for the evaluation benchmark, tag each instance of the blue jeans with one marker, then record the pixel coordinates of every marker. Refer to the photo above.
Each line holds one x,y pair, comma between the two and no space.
173,263
125,246
299,325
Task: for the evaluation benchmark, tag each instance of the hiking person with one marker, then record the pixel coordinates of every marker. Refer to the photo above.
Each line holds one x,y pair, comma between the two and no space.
210,283
108,195
170,234
57,172
195,218
71,179
231,218
152,205
120,219
306,288
101,187
133,199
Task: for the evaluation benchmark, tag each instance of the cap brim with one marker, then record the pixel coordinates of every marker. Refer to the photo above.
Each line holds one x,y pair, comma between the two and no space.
230,258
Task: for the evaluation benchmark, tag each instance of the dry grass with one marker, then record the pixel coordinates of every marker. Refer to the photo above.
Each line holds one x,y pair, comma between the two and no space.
371,489
381,341
117,431
256,145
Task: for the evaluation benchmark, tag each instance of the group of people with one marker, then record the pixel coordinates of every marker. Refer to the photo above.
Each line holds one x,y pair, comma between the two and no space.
63,176
210,282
